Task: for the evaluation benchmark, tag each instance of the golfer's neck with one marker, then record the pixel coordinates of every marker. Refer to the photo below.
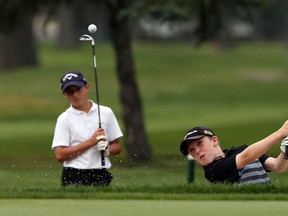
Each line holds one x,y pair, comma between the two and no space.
85,107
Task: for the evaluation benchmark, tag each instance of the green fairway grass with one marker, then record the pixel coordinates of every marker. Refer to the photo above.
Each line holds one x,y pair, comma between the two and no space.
241,93
140,207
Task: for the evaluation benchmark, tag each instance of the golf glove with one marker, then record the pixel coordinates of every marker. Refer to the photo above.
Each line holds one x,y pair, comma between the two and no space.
102,145
283,145
100,137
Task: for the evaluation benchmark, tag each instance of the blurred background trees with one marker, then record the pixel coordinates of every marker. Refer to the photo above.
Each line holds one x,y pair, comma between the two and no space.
26,23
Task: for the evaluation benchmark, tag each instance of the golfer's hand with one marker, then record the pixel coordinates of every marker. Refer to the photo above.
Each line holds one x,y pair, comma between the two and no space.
102,145
284,129
96,136
283,145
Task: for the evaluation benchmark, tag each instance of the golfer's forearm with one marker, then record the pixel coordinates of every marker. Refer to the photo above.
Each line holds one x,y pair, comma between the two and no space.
278,164
261,147
257,149
68,153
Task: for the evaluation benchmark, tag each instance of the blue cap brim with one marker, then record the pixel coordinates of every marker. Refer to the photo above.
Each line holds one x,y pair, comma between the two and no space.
73,83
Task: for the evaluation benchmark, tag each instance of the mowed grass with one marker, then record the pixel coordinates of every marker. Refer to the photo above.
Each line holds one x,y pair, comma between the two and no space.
141,207
241,93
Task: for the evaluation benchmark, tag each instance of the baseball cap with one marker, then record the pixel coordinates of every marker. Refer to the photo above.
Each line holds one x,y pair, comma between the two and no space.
72,78
194,134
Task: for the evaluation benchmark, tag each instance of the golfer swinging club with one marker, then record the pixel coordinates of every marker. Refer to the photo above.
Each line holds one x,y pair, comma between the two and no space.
78,140
241,165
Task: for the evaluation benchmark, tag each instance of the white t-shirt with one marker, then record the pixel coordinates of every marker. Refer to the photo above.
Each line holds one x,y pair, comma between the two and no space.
74,126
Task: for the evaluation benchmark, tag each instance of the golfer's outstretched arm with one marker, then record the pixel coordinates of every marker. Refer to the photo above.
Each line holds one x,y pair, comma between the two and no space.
259,148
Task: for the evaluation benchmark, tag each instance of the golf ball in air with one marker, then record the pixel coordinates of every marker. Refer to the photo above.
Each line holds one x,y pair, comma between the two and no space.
92,28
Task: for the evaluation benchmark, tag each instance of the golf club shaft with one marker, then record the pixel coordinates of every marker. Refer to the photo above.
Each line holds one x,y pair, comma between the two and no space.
96,85
97,97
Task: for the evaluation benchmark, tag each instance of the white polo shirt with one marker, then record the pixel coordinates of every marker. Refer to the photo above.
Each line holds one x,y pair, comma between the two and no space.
74,126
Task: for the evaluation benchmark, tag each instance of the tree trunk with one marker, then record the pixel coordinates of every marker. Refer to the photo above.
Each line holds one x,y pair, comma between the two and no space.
135,133
18,47
67,36
284,7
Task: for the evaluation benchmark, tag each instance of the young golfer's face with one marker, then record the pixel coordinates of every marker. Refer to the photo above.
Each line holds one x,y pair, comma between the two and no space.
77,96
203,150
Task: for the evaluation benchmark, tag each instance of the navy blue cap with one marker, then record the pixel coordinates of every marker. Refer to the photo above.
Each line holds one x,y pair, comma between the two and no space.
74,78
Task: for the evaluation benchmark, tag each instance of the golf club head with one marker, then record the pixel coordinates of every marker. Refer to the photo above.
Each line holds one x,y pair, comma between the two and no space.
86,37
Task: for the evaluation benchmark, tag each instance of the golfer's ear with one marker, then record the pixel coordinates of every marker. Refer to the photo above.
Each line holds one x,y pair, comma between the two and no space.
87,86
215,140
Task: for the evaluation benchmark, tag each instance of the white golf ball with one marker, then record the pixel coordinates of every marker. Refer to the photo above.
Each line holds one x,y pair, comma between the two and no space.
92,28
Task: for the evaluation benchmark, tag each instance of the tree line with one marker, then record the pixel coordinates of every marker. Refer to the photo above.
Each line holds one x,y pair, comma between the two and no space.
18,46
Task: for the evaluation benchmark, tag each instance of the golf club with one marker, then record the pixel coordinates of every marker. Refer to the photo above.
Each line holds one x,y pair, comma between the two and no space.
86,37
284,144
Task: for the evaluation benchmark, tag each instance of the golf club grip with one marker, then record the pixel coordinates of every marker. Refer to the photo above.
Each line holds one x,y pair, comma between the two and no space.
102,158
286,153
102,152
